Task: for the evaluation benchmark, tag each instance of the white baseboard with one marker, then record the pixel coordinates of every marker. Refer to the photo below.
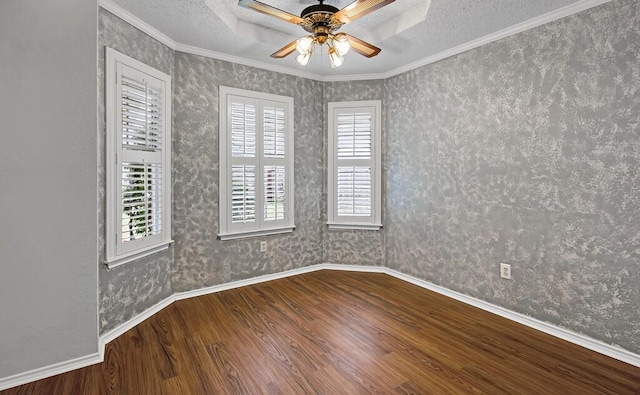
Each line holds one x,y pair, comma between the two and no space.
243,283
48,371
553,330
562,333
119,330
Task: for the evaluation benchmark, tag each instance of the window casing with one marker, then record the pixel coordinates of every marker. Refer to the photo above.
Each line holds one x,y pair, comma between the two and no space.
256,164
354,171
138,159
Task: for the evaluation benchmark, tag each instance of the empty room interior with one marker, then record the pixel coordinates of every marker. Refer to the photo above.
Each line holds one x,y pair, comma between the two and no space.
319,197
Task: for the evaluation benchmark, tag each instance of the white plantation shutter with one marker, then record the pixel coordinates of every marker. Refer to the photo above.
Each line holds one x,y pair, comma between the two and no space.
243,128
274,193
243,194
274,131
354,193
256,163
141,111
138,159
141,201
354,135
354,165
244,161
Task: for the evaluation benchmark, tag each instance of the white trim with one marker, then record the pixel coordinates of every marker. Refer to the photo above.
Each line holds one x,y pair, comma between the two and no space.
138,254
489,38
352,268
553,330
228,229
132,323
246,62
48,371
244,283
515,29
256,233
337,226
137,22
374,108
119,65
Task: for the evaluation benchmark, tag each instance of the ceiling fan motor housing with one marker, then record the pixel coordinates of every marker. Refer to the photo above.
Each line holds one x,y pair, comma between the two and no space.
319,8
318,20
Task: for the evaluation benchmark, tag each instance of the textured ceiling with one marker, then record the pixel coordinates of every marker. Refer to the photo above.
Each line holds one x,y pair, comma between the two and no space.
406,30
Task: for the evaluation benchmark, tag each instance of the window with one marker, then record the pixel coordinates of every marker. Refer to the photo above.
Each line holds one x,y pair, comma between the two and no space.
138,159
256,163
354,190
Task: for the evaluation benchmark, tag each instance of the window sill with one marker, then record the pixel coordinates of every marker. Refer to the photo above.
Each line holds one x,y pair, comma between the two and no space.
346,226
255,233
132,256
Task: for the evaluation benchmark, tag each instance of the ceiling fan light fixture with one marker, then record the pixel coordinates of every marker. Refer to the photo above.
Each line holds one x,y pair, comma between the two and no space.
305,44
341,44
321,21
335,58
303,58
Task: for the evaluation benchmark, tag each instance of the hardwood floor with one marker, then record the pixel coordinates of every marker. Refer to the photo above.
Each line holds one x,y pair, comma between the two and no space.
334,332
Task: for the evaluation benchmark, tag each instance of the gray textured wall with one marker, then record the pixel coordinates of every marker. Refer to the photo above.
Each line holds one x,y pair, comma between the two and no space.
526,151
128,290
201,259
523,151
48,121
355,247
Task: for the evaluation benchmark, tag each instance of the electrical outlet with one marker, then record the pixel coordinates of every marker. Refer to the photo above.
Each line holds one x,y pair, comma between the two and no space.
263,246
505,271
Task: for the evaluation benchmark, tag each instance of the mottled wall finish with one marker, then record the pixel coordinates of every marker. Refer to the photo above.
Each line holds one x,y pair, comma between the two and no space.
201,259
526,151
132,288
358,247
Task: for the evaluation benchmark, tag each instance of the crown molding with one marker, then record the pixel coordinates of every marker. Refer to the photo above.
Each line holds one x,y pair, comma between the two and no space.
137,22
500,34
246,62
515,29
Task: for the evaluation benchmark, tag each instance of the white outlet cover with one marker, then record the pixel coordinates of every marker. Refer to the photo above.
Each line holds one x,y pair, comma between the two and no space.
505,271
263,246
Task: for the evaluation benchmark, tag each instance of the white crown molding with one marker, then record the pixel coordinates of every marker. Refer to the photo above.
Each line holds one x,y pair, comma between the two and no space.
510,31
246,62
137,22
553,330
515,29
48,371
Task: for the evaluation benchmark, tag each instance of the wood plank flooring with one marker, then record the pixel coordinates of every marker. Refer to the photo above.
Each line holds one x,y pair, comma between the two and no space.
334,332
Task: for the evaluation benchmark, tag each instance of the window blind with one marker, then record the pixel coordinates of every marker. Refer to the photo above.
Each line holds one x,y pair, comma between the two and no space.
354,197
353,183
141,115
256,163
141,200
354,135
138,159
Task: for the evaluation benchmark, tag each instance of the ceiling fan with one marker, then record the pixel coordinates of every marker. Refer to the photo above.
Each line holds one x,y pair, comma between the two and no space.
322,21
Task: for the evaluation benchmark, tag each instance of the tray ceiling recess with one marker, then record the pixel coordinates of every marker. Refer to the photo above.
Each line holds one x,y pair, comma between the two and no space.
410,33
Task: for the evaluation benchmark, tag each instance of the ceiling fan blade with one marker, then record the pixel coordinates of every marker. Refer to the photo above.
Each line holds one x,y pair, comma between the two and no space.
285,51
362,47
358,9
268,10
